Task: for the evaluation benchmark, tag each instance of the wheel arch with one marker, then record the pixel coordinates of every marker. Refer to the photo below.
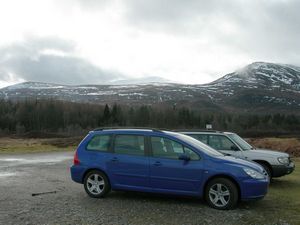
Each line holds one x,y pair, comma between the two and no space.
266,163
222,176
97,169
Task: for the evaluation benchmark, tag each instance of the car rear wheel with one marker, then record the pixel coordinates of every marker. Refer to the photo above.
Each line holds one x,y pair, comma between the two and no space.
221,193
96,184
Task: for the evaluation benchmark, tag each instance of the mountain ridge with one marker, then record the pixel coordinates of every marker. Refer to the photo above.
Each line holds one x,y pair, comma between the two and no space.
258,87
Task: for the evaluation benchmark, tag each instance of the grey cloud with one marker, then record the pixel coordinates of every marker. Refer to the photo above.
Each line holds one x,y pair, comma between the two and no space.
26,61
36,43
177,15
275,31
91,5
32,47
263,29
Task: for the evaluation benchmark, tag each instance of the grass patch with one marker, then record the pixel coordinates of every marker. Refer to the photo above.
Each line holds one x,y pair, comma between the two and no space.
281,205
28,145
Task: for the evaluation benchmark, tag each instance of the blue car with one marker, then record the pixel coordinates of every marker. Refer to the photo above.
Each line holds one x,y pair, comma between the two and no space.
150,160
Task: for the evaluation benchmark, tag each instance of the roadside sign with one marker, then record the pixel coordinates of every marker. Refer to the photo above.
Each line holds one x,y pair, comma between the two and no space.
208,126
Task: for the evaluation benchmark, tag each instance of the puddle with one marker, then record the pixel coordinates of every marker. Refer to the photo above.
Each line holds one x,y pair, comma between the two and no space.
7,174
49,159
10,160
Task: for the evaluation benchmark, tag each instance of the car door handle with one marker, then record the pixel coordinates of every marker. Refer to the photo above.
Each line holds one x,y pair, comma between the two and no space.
114,159
157,163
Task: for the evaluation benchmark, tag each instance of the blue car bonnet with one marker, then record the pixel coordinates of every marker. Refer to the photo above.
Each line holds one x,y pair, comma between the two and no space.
243,163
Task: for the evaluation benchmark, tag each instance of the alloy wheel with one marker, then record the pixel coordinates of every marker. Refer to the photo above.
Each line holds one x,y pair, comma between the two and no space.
219,195
95,184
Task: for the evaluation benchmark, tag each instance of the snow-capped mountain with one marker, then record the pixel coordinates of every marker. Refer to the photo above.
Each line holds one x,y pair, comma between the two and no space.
264,74
256,88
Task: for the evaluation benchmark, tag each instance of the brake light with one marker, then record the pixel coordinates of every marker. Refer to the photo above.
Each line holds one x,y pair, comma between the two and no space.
76,159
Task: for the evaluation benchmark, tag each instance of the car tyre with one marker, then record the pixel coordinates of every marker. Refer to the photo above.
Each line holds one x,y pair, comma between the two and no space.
267,169
221,193
96,184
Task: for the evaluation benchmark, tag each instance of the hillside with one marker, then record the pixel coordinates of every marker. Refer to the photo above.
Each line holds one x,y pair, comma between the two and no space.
258,87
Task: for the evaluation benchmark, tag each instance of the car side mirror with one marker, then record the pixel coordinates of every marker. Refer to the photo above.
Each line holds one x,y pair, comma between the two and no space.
184,157
234,148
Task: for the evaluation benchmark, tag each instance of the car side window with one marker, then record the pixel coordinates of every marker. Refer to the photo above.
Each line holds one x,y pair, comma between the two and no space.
191,153
99,143
220,142
201,137
166,148
129,144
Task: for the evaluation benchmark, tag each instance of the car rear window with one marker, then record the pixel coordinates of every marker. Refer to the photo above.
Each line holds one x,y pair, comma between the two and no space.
99,143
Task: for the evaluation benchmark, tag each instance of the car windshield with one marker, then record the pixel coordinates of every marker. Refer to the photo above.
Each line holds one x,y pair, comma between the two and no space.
241,142
197,144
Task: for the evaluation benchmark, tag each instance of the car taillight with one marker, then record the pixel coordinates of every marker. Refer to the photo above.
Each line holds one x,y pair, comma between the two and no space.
76,159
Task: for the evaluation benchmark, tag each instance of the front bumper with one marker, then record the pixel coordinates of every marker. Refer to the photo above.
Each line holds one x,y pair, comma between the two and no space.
281,170
252,189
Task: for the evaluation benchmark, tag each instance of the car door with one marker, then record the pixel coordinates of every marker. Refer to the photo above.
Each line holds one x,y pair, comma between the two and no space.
169,174
224,145
128,165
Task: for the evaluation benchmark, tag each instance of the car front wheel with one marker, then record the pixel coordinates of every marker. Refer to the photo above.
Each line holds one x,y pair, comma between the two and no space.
221,193
96,184
267,169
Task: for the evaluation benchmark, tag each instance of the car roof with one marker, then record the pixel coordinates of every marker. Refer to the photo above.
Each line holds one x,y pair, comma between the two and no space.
127,130
154,130
205,132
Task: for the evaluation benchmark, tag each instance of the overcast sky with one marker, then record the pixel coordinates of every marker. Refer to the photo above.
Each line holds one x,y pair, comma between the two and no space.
99,41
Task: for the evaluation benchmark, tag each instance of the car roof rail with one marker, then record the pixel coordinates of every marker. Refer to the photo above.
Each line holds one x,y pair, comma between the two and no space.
197,130
129,128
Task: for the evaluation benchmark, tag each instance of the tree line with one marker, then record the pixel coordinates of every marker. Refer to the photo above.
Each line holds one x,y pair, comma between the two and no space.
70,118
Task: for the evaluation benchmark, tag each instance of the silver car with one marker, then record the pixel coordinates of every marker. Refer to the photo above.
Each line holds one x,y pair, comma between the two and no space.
275,163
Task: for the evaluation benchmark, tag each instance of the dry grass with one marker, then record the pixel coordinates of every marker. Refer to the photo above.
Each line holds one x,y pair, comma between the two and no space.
289,145
20,145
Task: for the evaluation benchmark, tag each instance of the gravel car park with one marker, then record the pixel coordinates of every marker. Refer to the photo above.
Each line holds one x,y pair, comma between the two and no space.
61,201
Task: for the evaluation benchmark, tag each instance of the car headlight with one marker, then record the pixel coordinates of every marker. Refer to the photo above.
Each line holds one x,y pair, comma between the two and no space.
254,174
284,160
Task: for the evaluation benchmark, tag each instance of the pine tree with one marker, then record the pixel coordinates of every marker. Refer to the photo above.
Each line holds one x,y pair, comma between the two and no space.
106,115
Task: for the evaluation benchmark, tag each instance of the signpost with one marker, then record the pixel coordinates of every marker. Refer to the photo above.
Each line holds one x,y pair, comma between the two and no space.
208,126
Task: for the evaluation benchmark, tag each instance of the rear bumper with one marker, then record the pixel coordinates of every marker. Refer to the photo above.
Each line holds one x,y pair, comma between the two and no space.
254,189
281,170
77,173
